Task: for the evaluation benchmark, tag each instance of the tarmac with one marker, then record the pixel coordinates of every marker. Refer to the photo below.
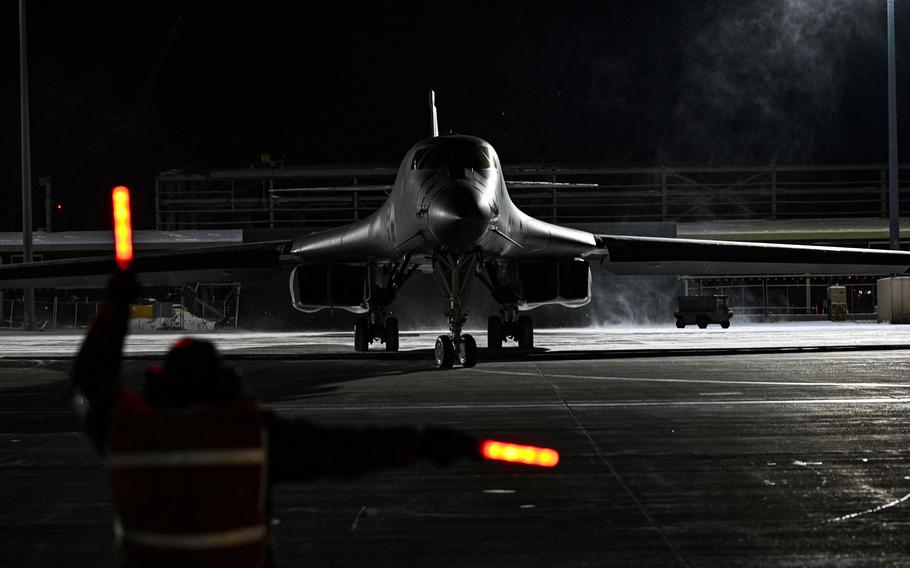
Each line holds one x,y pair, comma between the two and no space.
764,445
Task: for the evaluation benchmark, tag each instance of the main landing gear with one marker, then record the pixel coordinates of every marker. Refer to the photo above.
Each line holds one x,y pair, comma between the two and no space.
500,279
507,326
378,326
454,276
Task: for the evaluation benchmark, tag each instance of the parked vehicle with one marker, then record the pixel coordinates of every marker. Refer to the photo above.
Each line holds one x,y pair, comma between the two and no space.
703,310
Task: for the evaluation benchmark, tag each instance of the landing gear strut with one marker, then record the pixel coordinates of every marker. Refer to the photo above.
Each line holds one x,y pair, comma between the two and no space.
377,325
454,275
508,325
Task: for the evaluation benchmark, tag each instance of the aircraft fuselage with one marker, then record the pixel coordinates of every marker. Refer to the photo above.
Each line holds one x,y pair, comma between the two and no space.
450,197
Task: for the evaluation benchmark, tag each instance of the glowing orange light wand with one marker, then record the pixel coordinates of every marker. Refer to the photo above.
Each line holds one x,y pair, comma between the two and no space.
515,453
123,229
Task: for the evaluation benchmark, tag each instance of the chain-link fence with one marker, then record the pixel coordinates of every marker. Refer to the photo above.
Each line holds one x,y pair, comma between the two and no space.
770,299
60,315
54,314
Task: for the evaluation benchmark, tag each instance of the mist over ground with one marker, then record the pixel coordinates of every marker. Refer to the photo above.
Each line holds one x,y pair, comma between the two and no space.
765,81
616,300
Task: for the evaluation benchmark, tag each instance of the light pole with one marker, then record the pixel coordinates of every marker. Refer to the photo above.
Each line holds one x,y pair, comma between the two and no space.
48,206
29,295
893,170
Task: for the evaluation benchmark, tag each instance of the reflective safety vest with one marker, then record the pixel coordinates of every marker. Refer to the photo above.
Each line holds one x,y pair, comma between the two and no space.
189,484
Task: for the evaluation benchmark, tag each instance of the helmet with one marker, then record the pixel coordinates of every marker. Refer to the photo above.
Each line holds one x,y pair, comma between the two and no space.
192,374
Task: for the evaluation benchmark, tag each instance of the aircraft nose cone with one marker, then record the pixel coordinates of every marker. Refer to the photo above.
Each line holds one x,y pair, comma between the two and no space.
458,217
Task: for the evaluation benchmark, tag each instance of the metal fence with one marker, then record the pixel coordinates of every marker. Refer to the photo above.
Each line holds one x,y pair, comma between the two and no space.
53,315
254,198
323,197
761,297
57,315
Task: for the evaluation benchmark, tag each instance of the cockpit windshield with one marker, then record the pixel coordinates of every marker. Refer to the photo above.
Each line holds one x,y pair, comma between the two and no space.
454,154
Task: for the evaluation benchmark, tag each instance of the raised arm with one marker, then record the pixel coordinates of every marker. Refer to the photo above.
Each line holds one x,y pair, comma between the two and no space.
96,372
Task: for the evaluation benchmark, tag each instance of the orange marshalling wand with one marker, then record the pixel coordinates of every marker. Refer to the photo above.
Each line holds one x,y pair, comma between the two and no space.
515,453
123,228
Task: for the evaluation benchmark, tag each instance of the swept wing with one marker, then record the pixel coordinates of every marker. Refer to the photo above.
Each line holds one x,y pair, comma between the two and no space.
234,263
658,255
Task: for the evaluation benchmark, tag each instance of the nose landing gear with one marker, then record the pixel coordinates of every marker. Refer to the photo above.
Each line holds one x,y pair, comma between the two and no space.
454,276
448,352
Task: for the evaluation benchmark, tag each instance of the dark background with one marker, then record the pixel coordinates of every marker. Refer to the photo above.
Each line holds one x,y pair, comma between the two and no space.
121,91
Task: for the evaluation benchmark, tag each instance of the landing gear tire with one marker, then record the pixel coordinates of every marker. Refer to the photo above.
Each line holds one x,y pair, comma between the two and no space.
444,352
525,333
725,324
681,323
361,334
702,323
494,333
467,351
391,334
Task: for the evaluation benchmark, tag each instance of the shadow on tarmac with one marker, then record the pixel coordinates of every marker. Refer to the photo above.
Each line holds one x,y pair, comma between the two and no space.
35,395
513,354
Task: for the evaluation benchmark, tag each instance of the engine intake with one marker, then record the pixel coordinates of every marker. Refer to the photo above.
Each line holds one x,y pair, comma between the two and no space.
566,282
316,287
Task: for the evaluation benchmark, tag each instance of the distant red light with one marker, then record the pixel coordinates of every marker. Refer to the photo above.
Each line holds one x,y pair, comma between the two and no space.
516,453
123,229
59,206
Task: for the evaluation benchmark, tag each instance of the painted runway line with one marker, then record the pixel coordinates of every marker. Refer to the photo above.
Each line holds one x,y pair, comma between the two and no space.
887,505
855,401
853,385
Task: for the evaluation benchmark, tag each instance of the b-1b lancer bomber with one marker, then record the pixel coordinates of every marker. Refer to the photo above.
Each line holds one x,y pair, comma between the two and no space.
449,211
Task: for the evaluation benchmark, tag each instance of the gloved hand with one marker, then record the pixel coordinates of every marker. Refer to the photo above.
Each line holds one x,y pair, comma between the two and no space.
122,288
444,446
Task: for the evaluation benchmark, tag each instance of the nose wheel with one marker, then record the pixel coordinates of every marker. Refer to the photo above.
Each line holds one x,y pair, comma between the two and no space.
447,352
444,352
466,350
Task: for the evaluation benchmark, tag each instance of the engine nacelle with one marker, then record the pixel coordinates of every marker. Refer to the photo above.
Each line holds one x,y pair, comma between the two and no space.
566,282
316,287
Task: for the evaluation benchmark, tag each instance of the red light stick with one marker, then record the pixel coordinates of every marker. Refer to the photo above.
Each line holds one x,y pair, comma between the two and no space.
515,453
123,229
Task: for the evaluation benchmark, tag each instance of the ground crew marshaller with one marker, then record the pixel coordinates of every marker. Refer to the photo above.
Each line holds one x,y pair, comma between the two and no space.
192,459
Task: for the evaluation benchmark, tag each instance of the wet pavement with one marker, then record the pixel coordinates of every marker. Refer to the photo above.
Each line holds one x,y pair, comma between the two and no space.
771,459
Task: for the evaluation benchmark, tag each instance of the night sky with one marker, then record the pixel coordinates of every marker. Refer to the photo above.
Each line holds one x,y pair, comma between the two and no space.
120,92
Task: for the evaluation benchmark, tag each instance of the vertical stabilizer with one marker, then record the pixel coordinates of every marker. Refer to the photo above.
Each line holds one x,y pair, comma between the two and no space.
433,117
